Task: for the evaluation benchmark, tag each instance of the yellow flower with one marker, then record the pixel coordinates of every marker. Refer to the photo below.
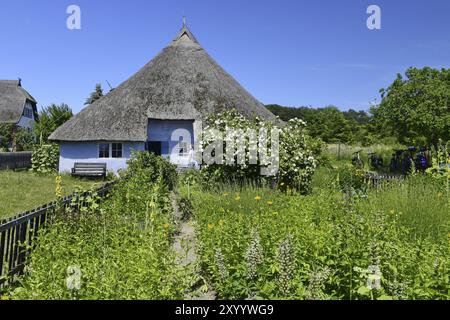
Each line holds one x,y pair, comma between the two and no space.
221,222
225,194
258,198
270,203
58,188
237,198
166,226
392,212
210,226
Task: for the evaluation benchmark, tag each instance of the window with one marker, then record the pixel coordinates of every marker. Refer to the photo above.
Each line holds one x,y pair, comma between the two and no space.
103,150
27,113
116,150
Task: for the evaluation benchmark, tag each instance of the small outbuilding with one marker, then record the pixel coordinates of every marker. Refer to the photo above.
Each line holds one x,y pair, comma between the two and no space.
159,109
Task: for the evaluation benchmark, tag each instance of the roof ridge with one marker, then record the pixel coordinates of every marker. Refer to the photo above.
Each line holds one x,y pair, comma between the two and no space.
185,31
10,82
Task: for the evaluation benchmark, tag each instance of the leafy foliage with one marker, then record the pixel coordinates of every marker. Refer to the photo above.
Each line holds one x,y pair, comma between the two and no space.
153,167
24,140
296,159
417,107
50,118
45,159
332,125
325,246
123,247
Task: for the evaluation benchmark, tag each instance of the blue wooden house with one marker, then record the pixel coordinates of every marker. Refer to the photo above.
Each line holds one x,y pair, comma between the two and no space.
159,109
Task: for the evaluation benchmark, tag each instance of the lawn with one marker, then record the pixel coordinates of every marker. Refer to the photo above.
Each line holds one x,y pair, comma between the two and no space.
21,191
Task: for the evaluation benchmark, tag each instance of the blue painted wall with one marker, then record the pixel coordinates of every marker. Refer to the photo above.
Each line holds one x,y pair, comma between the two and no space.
169,132
88,152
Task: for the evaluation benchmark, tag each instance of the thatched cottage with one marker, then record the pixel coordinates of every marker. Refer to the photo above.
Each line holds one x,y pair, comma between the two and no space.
17,106
170,95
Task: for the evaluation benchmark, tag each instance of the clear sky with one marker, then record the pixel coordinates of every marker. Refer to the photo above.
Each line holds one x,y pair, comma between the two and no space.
297,52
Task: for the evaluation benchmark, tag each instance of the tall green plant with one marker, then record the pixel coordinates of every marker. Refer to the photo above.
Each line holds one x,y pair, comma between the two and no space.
45,159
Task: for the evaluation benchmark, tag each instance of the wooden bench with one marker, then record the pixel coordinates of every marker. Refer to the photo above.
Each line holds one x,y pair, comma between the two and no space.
89,169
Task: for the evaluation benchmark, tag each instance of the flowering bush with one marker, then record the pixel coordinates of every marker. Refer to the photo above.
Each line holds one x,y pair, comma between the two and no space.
296,159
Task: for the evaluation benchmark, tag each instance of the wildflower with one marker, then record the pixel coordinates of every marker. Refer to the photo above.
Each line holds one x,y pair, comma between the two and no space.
225,194
166,226
210,226
221,222
254,255
58,188
374,278
316,283
237,198
258,198
286,260
220,262
270,203
392,212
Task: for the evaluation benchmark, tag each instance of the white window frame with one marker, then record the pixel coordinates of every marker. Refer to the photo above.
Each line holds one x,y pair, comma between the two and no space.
109,149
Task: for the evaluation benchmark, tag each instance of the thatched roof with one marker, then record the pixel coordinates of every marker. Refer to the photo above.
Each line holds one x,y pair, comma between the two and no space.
181,83
12,101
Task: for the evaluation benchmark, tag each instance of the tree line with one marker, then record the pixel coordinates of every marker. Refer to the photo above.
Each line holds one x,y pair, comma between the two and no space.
414,110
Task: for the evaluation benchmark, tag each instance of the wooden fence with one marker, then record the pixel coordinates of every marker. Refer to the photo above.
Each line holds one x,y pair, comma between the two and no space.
15,160
18,234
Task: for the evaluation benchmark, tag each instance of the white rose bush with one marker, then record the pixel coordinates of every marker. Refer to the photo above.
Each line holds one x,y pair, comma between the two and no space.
242,153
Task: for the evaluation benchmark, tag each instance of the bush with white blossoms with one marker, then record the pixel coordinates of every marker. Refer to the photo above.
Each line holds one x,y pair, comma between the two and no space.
296,159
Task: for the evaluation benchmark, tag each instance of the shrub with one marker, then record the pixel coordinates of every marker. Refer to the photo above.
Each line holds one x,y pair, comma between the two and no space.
296,162
151,167
45,159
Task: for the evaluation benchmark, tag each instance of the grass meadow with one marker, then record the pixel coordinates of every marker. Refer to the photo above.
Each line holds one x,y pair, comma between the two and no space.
21,191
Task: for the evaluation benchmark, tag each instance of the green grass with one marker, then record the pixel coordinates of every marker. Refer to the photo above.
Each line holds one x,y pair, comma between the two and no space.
21,191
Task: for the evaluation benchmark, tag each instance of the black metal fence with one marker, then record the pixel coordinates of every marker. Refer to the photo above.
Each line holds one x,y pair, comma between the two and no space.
18,234
15,160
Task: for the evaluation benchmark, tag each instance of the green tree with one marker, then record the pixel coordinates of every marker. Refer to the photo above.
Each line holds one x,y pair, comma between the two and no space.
417,107
95,95
50,118
6,135
19,139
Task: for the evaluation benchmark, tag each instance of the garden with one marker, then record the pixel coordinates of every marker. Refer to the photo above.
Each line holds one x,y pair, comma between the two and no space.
318,230
343,218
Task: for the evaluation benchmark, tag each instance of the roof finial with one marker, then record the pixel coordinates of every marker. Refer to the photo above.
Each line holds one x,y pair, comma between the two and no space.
184,21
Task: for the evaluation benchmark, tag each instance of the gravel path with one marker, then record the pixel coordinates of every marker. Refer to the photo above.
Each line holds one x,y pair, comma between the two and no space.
184,246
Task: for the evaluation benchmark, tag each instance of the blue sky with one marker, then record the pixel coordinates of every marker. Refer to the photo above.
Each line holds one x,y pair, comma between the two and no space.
287,52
